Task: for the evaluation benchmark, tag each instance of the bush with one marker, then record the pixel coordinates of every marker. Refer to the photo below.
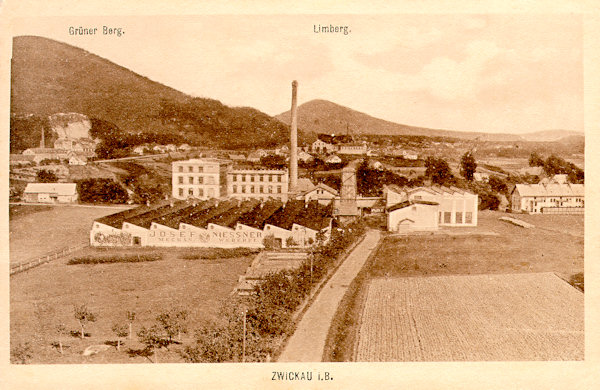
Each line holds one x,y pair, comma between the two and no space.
45,176
218,253
114,259
21,353
101,191
576,281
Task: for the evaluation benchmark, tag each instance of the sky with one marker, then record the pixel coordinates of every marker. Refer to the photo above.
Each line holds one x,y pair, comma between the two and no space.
490,73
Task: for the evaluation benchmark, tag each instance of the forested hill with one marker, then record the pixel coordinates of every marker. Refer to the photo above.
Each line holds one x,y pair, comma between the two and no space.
49,77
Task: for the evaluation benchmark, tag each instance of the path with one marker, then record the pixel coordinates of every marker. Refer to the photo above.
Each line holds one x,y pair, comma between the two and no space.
308,342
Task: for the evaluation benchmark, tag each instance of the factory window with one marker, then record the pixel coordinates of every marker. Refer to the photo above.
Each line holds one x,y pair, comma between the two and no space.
191,179
270,189
200,180
181,192
234,178
200,192
243,177
243,189
200,169
279,178
447,217
191,191
261,189
279,189
261,177
270,177
180,168
468,217
180,179
252,178
251,189
190,169
234,189
440,217
459,217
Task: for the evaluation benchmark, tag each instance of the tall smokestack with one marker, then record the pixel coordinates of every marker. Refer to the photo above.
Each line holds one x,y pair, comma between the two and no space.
294,139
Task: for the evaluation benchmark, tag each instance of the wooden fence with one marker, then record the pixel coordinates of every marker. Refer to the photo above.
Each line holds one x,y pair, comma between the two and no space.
24,266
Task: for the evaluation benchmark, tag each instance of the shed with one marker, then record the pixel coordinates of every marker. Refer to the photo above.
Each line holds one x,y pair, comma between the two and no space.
50,193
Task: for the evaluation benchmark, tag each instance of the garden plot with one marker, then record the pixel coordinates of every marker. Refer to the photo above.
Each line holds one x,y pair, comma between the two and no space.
533,316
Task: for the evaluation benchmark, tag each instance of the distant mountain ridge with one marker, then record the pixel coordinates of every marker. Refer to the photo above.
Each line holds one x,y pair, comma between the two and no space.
322,116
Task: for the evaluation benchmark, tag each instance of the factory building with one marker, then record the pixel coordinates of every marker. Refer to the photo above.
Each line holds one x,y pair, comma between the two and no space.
218,224
427,208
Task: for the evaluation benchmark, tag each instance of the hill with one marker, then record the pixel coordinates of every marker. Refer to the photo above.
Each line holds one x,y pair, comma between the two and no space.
322,116
49,77
554,135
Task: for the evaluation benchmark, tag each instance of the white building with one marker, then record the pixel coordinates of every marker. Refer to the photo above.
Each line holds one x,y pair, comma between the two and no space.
214,178
353,148
200,178
77,160
548,198
50,193
257,184
413,215
320,146
453,206
333,159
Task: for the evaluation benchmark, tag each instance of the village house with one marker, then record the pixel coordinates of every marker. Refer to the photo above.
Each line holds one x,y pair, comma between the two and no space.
50,193
304,157
77,160
322,147
140,150
333,159
321,193
40,154
552,198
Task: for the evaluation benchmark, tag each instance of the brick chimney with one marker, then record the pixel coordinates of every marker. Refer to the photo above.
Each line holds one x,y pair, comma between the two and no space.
294,139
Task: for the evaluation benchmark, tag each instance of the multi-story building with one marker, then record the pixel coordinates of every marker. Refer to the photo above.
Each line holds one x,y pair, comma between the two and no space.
258,184
214,178
200,178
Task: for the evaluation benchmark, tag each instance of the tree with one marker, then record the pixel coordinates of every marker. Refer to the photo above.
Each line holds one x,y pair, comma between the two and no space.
83,315
497,184
120,330
535,160
61,329
438,170
468,166
173,323
46,176
101,191
152,338
130,318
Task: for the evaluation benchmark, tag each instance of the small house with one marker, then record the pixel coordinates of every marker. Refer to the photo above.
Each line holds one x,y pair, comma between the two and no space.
50,193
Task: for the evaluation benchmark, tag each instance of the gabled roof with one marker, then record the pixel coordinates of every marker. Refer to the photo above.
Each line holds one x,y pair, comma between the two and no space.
550,189
201,219
173,220
304,184
315,215
256,217
67,189
409,203
286,216
116,220
231,217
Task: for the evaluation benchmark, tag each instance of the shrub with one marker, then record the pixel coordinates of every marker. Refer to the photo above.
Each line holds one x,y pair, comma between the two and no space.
115,259
218,253
21,353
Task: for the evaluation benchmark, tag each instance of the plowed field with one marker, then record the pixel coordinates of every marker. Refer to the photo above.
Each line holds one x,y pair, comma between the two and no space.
534,316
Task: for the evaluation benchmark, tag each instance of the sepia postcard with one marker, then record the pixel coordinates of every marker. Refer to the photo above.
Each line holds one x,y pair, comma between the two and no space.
312,195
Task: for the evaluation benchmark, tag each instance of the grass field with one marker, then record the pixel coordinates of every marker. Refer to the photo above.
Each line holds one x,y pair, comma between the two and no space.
472,318
461,251
40,230
44,297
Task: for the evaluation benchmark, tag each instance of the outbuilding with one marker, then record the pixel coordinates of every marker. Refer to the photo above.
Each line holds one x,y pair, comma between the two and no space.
50,193
413,215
